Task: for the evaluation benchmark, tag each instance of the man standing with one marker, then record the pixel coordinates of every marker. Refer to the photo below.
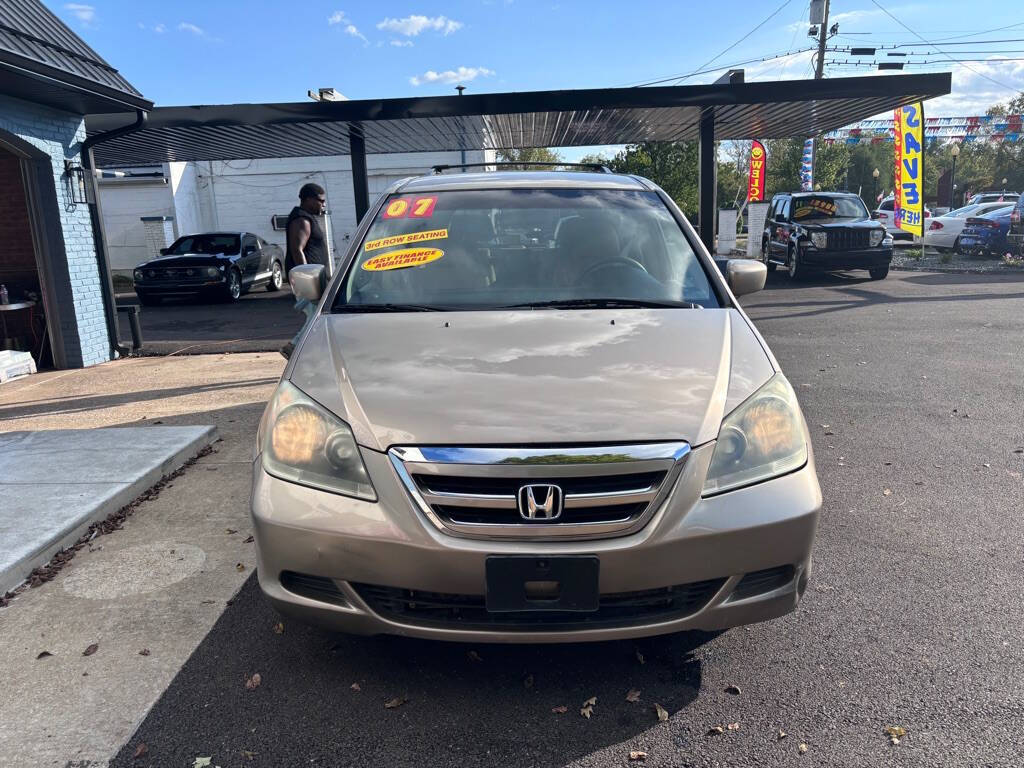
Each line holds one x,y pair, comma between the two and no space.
306,245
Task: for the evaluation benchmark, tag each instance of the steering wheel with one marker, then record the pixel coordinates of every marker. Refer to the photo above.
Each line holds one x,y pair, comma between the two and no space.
621,262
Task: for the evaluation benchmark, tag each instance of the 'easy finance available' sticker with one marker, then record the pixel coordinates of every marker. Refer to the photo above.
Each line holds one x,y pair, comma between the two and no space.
413,237
409,257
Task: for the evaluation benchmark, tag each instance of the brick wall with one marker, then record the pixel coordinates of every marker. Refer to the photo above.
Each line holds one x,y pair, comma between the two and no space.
17,256
83,320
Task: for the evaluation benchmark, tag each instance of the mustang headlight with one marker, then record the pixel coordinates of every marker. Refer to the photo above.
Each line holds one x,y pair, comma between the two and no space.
137,274
877,235
820,239
303,443
761,439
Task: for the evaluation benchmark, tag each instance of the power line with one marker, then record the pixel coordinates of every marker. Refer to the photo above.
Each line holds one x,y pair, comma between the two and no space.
938,50
848,63
724,66
715,58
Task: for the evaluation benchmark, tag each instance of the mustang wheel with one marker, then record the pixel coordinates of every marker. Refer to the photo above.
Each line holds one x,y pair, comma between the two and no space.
276,277
234,288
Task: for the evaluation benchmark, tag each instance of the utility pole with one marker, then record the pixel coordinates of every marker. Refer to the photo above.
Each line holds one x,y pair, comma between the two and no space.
819,66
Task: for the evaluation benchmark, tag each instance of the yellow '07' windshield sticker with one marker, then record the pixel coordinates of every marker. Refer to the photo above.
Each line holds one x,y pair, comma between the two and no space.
408,257
412,237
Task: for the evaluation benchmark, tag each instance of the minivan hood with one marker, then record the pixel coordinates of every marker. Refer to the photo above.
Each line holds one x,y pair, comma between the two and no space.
531,377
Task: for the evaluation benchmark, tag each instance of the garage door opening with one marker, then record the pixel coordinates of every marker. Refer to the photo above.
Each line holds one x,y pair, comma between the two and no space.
23,318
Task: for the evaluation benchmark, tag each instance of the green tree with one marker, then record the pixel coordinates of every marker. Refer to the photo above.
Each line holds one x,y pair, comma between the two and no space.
1014,106
670,165
529,155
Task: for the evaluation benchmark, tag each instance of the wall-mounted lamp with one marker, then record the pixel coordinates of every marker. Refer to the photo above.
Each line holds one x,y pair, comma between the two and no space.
76,179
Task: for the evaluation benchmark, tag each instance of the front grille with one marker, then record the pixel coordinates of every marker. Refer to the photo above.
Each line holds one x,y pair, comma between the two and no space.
176,274
759,582
313,587
848,239
623,609
476,492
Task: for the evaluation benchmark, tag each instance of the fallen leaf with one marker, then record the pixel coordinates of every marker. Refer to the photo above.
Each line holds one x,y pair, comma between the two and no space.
715,730
588,707
144,652
91,649
248,540
201,762
781,735
733,690
895,733
254,682
733,726
248,755
473,656
43,655
230,531
239,567
355,687
802,749
887,492
560,710
637,755
662,713
395,703
639,656
279,628
633,696
591,702
587,712
140,750
528,682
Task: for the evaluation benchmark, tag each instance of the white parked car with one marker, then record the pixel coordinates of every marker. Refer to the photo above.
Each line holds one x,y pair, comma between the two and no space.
943,232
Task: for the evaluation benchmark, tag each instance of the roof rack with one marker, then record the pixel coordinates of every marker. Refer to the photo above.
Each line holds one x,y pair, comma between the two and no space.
597,167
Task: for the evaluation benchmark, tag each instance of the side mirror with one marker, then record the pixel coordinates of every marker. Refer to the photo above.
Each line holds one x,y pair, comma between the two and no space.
745,276
249,249
163,251
307,281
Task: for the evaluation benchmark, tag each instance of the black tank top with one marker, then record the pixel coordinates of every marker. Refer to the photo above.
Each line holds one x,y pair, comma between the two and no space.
316,246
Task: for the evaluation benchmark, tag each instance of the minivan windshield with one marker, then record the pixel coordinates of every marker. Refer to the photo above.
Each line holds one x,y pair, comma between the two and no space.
205,244
504,248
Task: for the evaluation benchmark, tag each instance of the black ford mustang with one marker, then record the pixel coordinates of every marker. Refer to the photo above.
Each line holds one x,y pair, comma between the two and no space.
217,265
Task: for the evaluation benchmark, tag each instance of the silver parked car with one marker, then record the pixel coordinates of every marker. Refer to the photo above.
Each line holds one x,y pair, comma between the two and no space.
530,409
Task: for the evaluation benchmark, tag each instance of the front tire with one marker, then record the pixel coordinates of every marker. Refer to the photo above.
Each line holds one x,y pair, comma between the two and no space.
879,273
276,277
233,290
769,265
795,269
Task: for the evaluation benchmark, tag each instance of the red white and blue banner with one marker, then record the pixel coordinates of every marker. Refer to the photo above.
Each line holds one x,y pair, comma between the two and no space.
807,167
977,128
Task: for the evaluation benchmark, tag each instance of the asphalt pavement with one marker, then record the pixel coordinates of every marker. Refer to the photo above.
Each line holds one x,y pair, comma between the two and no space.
260,321
912,389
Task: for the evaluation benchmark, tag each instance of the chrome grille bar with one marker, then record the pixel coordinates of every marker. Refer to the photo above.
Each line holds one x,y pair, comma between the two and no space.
601,494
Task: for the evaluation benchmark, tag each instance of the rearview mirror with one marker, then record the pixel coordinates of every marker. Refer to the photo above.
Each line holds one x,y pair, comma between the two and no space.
307,281
745,276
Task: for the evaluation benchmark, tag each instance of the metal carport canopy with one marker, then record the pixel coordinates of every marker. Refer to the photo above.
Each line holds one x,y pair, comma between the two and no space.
721,111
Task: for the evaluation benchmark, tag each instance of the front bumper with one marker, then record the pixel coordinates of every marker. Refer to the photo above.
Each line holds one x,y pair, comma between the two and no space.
182,288
348,545
868,258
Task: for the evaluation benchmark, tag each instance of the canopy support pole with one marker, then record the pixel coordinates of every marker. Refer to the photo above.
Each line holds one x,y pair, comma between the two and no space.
708,181
360,182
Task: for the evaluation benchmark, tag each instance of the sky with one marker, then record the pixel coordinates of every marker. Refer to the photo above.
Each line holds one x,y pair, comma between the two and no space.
236,51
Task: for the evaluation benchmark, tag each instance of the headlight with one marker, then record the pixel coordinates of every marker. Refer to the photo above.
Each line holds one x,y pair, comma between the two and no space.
761,439
138,274
820,239
877,235
302,443
212,271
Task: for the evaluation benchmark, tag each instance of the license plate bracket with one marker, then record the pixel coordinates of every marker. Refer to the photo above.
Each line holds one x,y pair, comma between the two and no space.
566,583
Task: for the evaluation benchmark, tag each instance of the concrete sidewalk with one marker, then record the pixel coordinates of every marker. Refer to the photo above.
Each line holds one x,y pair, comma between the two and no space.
147,594
55,483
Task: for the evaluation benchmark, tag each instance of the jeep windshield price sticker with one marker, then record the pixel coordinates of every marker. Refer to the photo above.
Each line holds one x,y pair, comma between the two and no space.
909,195
410,207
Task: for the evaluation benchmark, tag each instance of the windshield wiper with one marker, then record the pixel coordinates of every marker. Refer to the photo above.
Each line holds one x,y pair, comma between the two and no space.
604,304
388,308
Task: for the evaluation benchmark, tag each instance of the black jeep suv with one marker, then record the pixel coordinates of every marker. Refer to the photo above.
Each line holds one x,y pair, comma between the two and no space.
827,231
